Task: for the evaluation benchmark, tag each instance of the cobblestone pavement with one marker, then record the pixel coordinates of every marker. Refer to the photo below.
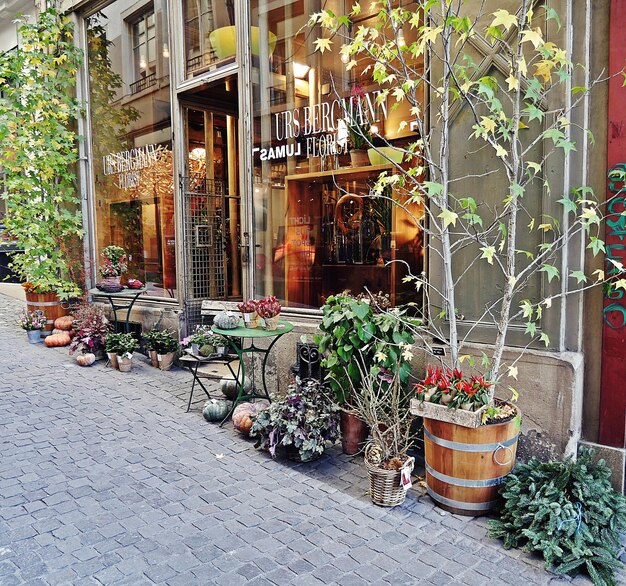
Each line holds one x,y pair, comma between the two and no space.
104,479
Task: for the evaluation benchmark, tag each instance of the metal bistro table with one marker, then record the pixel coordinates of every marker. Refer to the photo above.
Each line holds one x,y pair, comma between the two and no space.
244,333
123,300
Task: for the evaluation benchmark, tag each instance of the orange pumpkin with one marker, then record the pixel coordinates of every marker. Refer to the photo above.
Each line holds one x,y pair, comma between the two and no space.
57,340
242,415
63,323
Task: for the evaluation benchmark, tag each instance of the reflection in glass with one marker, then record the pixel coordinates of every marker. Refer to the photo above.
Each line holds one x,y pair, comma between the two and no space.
210,35
323,229
131,141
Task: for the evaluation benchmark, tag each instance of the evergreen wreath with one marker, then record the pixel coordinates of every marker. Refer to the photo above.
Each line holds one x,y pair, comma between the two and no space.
569,512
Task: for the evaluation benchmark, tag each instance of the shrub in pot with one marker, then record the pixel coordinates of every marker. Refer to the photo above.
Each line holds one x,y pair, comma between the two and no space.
120,348
162,345
566,511
303,422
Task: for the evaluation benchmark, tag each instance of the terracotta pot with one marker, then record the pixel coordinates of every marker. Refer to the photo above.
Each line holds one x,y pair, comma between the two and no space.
125,364
359,158
166,360
354,432
154,359
113,360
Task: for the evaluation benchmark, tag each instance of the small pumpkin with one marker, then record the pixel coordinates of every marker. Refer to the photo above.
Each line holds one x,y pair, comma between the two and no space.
63,323
230,388
242,416
215,410
226,320
54,340
86,359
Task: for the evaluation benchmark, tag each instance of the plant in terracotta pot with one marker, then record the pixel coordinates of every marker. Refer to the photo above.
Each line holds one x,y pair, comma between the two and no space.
32,322
91,329
162,345
249,313
113,265
303,422
112,346
364,327
269,309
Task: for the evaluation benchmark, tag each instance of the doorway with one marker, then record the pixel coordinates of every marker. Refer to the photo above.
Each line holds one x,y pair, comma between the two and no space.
211,202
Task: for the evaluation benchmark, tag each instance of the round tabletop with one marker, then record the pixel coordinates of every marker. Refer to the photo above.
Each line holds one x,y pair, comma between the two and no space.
241,331
125,292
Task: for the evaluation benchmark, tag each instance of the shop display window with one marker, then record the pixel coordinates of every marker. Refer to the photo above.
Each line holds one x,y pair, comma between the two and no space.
320,228
131,140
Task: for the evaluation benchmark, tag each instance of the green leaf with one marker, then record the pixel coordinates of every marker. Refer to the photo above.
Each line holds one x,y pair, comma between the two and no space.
551,271
579,276
448,217
488,253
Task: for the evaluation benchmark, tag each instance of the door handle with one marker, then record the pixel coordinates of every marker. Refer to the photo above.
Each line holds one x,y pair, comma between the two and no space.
245,247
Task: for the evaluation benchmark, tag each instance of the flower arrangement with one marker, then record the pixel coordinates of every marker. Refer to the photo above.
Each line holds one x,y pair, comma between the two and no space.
32,320
358,125
268,307
91,327
304,420
247,306
448,387
114,262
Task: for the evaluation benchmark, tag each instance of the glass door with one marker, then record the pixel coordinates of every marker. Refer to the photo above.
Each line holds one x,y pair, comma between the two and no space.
211,199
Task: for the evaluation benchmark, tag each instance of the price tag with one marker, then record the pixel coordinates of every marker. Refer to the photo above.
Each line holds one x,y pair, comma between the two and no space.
405,478
246,317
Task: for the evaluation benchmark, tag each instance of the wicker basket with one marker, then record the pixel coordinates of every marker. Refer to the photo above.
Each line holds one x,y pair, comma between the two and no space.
385,487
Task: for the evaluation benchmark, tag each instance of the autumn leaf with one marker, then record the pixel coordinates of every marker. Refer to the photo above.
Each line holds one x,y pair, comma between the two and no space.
322,45
504,18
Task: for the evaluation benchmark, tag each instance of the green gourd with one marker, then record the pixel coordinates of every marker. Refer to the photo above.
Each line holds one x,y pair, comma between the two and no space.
215,410
226,320
206,350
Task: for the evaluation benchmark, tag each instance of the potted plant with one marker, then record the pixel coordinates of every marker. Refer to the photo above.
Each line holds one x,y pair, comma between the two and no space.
199,342
359,134
459,417
124,347
269,309
249,313
381,400
111,347
302,422
162,345
219,343
91,328
113,265
32,322
362,327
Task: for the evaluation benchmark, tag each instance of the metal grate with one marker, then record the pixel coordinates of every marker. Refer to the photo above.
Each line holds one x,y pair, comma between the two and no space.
207,242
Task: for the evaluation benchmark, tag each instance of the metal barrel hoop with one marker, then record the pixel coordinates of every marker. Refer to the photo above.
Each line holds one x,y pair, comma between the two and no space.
495,455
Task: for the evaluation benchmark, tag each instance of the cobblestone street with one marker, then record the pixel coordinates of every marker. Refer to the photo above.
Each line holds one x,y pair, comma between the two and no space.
104,479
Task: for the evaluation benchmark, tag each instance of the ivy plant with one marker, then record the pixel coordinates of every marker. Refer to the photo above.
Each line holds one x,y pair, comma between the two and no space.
38,150
566,511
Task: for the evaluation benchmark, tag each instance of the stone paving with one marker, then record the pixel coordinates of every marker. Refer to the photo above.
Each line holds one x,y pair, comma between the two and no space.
104,479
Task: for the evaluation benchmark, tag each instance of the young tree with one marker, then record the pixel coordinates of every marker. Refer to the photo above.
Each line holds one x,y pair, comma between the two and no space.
38,151
520,130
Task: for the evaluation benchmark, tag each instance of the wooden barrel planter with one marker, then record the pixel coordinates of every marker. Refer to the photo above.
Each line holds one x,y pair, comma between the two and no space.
465,466
51,306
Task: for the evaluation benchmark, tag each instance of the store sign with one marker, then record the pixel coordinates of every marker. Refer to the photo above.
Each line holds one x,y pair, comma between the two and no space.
320,130
128,164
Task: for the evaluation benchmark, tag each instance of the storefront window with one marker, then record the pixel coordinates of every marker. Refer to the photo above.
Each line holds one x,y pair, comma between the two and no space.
210,34
131,139
319,227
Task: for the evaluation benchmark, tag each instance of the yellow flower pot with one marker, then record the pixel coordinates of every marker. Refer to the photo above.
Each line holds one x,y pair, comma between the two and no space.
382,155
224,41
